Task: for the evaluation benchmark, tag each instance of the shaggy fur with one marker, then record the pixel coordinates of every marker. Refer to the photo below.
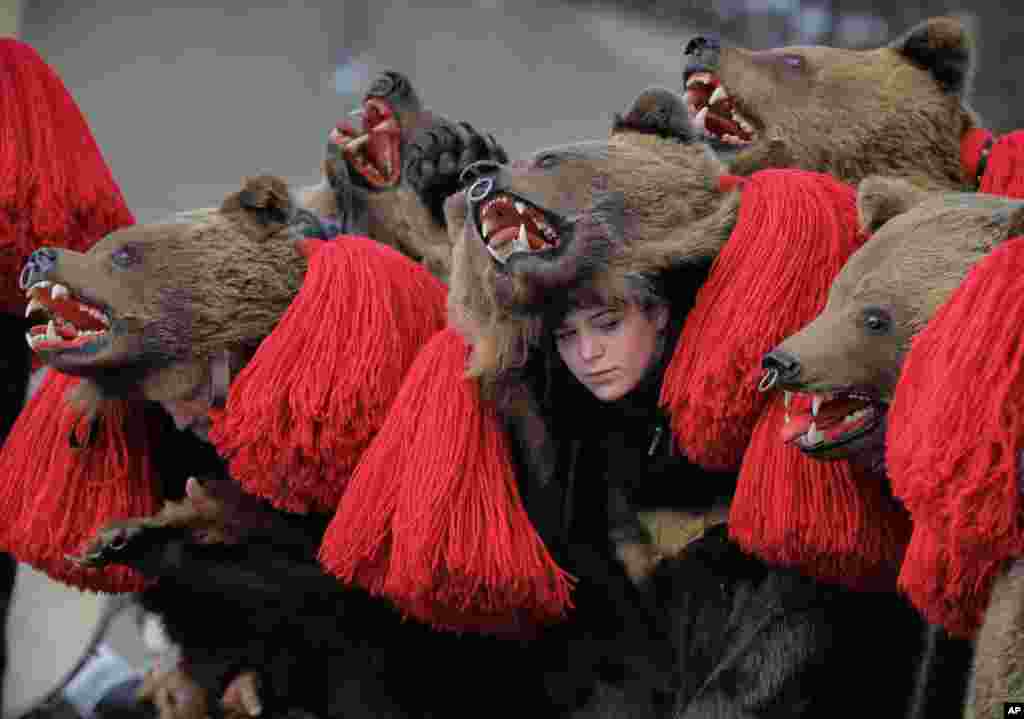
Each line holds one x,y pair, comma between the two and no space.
896,110
179,292
999,662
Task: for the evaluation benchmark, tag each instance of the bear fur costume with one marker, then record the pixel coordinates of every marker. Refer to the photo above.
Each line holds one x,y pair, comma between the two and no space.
431,154
899,110
924,246
710,631
57,190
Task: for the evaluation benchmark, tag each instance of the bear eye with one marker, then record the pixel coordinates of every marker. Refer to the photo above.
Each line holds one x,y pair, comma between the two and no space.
876,321
126,255
547,160
796,62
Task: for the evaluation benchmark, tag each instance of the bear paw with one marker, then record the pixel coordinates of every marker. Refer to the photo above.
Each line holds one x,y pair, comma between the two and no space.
438,155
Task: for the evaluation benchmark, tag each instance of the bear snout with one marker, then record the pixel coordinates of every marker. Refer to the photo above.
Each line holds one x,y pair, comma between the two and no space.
39,264
785,365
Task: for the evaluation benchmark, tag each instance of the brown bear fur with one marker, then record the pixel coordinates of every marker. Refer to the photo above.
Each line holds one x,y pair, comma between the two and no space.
999,663
897,110
179,292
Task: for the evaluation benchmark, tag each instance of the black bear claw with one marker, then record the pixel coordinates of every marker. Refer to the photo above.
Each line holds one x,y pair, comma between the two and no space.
438,155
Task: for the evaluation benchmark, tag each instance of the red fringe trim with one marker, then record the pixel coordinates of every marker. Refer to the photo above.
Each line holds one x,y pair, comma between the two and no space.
55,497
795,230
306,406
433,518
826,519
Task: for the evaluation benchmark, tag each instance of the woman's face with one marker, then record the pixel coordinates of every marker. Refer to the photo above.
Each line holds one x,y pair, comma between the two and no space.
609,347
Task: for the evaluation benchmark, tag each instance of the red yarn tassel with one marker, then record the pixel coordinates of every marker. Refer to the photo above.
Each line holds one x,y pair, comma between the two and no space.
1004,174
955,444
1000,162
306,406
827,519
55,188
948,589
795,230
433,518
56,497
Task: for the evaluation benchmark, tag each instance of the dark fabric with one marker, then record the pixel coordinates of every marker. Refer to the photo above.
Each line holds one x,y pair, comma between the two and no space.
323,649
15,368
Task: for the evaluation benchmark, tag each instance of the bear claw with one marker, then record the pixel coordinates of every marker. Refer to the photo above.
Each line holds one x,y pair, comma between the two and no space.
438,155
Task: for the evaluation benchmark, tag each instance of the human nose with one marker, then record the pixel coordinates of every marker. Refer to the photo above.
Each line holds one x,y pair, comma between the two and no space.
590,347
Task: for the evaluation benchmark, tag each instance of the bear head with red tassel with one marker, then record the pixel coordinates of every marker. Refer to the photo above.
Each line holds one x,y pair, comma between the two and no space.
850,361
282,349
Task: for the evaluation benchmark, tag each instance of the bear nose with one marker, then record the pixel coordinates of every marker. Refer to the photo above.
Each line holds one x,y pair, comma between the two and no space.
703,44
39,264
784,364
477,170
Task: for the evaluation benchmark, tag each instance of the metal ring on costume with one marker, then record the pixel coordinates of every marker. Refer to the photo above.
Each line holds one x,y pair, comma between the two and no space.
768,381
480,189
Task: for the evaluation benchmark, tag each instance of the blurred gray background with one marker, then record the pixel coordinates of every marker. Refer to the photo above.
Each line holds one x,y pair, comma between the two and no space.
184,100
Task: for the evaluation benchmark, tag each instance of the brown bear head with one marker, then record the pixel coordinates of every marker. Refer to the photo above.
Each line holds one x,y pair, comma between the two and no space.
388,168
584,214
849,358
145,309
897,110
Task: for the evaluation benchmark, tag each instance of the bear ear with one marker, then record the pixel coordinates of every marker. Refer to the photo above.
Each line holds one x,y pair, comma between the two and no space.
265,197
657,111
945,48
879,199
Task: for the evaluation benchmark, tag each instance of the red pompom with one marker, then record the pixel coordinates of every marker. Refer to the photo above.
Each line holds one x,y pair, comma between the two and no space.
830,520
55,187
56,497
433,518
795,231
305,407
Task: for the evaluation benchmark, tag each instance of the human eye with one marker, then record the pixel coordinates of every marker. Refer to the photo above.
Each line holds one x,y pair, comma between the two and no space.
609,323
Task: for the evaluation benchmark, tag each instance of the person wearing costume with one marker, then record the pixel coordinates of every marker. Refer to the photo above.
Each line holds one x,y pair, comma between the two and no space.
555,504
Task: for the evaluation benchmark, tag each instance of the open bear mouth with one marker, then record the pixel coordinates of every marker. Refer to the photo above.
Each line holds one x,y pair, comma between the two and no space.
715,113
66,321
508,224
820,423
375,150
